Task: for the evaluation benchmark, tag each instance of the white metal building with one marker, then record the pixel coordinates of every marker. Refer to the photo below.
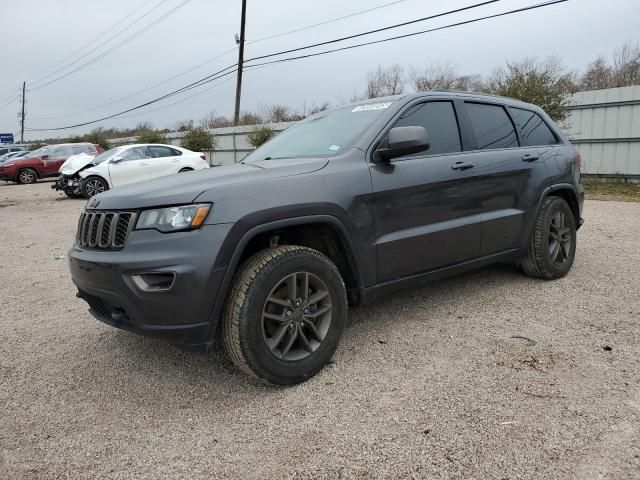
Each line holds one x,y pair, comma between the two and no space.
604,125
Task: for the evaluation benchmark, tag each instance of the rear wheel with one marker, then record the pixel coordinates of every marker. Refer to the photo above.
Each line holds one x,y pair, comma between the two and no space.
92,186
552,246
27,176
285,314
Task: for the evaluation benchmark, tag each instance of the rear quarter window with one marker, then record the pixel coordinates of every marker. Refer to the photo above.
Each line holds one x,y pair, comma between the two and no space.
533,129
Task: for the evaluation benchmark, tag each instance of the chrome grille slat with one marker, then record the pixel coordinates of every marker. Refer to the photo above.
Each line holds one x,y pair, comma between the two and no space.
104,230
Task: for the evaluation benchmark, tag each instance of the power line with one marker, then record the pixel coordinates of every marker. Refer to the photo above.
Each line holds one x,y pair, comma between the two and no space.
377,30
360,12
222,72
325,22
37,75
116,47
397,37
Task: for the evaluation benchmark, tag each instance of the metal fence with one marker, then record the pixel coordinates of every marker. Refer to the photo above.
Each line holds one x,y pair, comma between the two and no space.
604,125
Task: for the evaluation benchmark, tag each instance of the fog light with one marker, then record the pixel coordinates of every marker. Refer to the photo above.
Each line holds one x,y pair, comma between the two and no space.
154,281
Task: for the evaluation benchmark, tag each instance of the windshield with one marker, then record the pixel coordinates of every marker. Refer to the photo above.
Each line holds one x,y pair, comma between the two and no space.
323,135
41,151
106,155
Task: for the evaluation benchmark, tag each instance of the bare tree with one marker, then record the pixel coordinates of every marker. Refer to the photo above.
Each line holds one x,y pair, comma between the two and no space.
318,108
622,71
382,82
213,120
444,75
626,66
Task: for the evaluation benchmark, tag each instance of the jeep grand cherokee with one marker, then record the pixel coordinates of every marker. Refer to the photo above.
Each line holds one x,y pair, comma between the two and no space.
343,206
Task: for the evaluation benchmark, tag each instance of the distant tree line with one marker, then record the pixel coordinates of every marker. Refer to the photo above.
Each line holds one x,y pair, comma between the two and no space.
545,82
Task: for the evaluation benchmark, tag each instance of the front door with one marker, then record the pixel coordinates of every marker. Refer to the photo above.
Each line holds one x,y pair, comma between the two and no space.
426,206
55,159
132,167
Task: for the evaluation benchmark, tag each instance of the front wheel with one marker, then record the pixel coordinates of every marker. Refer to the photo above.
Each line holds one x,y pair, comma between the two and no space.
92,186
552,246
285,314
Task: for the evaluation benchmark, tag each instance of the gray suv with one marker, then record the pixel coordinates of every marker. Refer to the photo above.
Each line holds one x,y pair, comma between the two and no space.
342,207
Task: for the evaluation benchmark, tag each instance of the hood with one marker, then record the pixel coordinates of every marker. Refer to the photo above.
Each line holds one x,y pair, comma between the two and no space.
184,188
75,163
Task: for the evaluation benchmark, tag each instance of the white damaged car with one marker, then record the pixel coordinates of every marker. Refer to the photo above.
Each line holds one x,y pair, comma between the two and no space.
86,175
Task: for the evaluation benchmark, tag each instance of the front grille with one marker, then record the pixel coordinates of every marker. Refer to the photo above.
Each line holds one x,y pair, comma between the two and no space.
105,230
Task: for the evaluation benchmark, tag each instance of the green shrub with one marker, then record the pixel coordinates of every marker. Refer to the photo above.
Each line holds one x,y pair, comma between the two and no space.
198,139
259,135
152,136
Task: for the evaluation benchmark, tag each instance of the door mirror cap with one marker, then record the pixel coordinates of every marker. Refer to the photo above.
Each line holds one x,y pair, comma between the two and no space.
116,160
44,157
403,141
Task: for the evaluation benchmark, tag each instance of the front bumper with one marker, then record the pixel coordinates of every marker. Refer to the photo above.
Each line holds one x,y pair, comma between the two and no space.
180,314
67,182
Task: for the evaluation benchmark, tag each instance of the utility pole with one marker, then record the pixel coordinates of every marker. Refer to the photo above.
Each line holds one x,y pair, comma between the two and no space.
22,114
236,116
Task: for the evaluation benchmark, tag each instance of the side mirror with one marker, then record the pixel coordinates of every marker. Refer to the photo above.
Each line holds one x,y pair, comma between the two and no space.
44,157
404,141
116,160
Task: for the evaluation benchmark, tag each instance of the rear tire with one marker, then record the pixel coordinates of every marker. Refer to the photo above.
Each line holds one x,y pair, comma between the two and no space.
285,314
552,246
27,176
91,186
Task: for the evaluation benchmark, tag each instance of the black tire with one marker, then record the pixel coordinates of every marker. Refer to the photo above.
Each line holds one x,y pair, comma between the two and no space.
70,192
247,323
185,169
27,176
91,186
552,246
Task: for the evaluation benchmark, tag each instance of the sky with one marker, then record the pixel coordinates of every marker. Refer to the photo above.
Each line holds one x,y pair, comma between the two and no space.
47,35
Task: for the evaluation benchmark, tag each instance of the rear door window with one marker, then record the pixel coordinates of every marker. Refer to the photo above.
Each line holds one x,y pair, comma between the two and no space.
492,126
159,152
439,120
534,130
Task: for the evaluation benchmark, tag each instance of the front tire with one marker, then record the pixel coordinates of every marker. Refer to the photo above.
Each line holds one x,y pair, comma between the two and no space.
92,186
552,246
27,176
285,314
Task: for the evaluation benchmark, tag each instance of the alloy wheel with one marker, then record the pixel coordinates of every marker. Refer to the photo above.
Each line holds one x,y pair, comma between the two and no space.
26,176
559,239
94,187
296,316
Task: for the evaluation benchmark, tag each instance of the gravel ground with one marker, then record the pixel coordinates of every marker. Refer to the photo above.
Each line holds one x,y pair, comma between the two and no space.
487,375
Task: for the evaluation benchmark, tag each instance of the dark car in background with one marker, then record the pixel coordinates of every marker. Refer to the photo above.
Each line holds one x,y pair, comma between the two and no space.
44,162
342,207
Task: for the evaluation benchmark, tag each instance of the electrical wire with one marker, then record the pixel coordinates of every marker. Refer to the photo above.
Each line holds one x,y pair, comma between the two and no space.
282,34
222,72
116,47
38,75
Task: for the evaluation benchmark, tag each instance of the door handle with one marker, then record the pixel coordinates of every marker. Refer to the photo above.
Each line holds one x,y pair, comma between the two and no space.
530,158
462,165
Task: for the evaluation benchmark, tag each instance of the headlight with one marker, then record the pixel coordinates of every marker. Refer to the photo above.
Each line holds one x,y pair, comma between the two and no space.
172,219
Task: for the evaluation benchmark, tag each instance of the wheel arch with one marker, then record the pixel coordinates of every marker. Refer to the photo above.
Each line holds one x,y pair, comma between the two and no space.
568,193
333,240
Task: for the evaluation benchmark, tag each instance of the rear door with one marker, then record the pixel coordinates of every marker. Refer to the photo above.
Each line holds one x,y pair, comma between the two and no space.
426,206
163,161
510,177
133,167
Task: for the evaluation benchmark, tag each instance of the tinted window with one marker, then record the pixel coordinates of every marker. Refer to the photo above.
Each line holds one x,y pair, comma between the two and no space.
533,128
439,119
157,152
492,126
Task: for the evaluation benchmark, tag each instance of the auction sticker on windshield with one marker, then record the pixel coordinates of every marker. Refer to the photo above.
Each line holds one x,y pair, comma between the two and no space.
371,106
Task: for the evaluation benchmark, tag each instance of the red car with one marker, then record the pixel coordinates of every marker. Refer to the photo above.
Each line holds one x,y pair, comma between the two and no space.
44,162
